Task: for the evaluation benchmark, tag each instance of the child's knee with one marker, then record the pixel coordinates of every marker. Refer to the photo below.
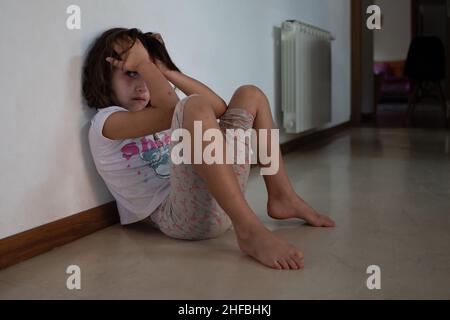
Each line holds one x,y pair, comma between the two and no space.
197,107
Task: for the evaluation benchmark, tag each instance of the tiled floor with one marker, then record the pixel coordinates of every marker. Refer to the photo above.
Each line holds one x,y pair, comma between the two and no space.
387,189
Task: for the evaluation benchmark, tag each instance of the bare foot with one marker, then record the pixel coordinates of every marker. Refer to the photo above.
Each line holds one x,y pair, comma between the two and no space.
261,244
293,206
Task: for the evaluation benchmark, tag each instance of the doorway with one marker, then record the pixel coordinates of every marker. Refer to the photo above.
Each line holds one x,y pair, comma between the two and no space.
402,20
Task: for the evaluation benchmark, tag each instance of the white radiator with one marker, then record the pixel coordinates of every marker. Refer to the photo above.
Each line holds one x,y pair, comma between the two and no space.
305,76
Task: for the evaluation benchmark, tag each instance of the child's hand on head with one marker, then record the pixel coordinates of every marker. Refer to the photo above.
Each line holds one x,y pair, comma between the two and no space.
158,37
161,66
130,59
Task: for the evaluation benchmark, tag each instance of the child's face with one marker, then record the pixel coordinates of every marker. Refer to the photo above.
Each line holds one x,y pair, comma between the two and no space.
130,89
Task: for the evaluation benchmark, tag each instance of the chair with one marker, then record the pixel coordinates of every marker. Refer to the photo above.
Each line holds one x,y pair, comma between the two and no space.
426,64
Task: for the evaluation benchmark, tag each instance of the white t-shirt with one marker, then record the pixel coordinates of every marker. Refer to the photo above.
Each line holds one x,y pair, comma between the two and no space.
135,171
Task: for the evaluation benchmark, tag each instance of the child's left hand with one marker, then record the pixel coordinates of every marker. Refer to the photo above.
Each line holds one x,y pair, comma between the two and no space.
161,66
158,37
131,59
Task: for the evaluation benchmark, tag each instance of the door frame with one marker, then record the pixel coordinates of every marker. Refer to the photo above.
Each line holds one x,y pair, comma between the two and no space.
356,62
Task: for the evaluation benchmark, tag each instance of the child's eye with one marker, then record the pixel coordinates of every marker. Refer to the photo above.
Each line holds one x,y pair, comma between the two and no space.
132,74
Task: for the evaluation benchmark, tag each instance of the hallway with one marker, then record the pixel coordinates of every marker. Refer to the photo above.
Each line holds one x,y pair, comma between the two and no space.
387,189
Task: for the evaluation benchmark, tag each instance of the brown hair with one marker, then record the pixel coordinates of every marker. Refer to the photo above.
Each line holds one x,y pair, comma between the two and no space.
97,72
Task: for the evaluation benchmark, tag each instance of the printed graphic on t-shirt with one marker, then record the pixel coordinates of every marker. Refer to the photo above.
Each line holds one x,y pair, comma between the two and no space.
155,152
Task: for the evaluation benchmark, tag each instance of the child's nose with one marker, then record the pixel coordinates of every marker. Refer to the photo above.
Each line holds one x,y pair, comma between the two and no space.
141,87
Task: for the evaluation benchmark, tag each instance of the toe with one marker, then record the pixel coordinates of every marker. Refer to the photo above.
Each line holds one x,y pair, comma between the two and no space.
277,265
283,263
314,220
327,222
292,264
297,256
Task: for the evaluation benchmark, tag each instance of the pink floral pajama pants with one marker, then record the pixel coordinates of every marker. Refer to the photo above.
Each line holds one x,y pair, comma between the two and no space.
190,212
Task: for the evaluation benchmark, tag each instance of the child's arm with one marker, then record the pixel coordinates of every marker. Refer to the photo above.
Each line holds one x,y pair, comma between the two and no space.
190,86
156,118
137,59
123,125
161,92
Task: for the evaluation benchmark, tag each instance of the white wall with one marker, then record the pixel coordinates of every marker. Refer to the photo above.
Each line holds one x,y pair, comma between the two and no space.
392,42
47,170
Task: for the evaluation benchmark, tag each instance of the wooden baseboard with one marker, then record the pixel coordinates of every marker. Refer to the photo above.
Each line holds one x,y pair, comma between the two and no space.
313,138
28,244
